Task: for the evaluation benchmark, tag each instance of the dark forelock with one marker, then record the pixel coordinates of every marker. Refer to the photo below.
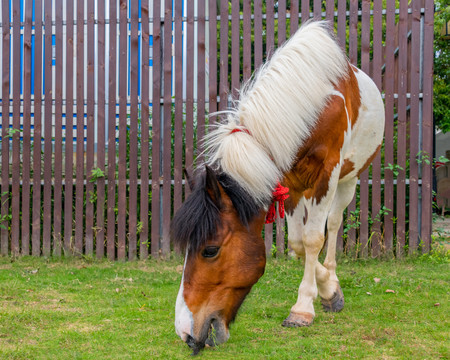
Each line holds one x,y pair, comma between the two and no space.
198,218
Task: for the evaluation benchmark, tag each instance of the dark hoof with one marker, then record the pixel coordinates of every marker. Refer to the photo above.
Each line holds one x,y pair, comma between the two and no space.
336,303
298,320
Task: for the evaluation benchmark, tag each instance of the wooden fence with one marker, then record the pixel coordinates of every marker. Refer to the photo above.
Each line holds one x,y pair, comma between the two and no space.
104,103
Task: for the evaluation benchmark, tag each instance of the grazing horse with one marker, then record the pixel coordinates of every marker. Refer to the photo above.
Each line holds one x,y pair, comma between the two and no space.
307,120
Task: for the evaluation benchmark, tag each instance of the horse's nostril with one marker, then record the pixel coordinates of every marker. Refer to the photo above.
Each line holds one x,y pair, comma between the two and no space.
190,341
195,346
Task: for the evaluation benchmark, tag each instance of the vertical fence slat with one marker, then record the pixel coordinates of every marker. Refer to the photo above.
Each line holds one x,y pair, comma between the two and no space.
305,11
376,237
212,57
235,48
258,33
167,127
156,128
389,130
89,211
79,181
270,29
352,218
145,143
258,53
247,40
317,9
364,188
294,16
281,39
342,23
340,240
268,238
68,174
414,129
280,233
178,123
26,132
123,131
100,223
133,147
270,42
223,86
111,216
15,165
330,10
37,134
5,130
427,124
134,53
352,215
57,192
353,33
48,128
201,78
281,10
401,130
189,139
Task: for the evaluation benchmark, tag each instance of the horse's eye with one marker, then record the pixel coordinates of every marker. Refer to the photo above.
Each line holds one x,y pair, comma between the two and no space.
210,251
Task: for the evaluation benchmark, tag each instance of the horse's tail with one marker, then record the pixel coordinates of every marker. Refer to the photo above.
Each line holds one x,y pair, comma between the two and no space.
232,149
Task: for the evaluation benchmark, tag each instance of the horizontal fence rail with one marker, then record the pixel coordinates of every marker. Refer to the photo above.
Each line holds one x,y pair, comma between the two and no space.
104,103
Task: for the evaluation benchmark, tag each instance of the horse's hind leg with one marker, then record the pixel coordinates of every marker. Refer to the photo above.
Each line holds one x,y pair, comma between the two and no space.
330,290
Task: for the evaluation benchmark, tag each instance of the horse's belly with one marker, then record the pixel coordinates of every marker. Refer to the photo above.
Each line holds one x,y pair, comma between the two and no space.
367,133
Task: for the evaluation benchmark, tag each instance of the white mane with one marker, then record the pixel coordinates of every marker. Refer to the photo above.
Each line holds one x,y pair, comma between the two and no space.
279,106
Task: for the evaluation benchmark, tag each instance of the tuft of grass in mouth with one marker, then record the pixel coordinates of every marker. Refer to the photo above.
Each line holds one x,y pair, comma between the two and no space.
89,309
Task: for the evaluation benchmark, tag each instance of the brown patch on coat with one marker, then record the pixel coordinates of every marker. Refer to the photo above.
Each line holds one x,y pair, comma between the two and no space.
347,167
319,155
369,160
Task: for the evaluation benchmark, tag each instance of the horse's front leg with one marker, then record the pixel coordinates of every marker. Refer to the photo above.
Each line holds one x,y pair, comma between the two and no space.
311,236
302,313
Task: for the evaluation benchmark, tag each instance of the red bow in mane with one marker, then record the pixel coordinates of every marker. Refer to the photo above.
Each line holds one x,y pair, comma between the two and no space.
279,195
244,130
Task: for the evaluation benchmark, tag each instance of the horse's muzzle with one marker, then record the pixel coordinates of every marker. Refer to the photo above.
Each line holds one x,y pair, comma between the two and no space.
214,333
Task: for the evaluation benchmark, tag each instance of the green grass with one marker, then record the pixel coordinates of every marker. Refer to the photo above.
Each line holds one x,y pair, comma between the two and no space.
80,309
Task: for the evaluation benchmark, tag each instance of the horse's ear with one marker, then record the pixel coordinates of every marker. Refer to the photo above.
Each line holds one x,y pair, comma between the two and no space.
189,179
212,186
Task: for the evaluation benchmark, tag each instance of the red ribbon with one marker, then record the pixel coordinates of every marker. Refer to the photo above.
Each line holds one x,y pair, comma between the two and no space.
280,194
240,130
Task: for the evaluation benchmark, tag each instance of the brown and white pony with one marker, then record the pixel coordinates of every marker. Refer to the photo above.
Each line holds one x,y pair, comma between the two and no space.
309,120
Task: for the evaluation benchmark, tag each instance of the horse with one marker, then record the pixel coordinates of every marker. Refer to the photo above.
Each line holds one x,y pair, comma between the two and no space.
308,121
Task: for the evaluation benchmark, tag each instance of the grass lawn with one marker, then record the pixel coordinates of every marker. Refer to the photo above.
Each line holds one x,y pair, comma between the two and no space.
81,309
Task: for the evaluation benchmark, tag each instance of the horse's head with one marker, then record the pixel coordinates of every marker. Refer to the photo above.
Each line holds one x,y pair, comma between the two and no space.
219,227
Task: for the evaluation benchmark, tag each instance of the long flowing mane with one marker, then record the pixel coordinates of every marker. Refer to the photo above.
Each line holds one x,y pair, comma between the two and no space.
279,107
